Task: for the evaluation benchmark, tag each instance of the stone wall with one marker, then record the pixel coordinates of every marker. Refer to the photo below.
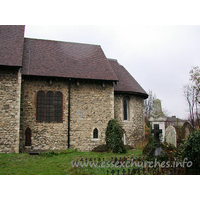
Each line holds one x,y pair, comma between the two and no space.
10,88
44,136
91,107
134,126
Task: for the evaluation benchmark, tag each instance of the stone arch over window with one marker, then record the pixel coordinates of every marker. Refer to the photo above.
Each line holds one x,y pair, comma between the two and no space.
126,108
95,133
28,137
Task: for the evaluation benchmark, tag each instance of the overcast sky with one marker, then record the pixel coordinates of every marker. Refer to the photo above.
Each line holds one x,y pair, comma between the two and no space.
158,57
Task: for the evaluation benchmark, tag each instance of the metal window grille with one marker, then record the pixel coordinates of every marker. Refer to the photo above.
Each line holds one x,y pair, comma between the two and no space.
49,106
40,106
58,107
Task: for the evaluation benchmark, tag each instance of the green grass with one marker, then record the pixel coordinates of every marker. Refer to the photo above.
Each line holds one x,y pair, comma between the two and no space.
25,164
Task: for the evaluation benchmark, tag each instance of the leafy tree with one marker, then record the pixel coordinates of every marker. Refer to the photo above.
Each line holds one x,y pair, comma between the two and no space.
192,152
114,134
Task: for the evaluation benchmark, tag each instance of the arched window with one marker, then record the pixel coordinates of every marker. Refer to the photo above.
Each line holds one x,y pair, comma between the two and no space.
28,137
49,106
95,133
126,108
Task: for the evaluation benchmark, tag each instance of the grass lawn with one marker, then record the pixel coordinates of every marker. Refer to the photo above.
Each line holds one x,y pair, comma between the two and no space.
25,164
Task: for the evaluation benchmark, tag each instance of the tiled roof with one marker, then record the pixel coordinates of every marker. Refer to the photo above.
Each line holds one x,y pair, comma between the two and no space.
62,59
65,59
126,84
11,45
174,119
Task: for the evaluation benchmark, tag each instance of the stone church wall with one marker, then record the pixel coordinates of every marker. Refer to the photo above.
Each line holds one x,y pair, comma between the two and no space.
10,86
44,136
134,126
92,106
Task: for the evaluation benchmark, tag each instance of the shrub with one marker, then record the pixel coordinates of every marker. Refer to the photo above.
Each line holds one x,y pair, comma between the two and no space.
150,145
192,152
146,132
114,135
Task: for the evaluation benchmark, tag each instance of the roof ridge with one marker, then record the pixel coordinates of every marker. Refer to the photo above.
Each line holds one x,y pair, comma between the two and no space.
112,59
51,40
127,83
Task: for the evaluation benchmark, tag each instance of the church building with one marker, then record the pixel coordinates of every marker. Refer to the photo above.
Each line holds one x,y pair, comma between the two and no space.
58,95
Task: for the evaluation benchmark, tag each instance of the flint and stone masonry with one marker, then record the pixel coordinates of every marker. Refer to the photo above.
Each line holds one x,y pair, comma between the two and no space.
92,106
134,126
10,91
44,135
36,78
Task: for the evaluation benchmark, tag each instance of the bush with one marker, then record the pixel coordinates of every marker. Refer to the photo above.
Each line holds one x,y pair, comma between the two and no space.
114,134
192,152
150,145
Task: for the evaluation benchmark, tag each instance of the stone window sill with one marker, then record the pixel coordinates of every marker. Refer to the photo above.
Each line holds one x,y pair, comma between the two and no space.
95,139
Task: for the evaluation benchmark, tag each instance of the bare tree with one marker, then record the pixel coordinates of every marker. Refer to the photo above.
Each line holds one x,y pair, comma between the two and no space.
190,96
166,112
195,78
148,103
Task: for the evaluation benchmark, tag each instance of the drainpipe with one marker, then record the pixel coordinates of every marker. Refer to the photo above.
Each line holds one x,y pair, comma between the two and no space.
69,93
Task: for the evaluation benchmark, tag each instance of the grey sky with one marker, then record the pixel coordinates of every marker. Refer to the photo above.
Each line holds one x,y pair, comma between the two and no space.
158,57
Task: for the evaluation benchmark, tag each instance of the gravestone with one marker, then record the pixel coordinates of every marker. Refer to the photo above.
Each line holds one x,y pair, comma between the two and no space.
157,117
170,137
156,131
186,130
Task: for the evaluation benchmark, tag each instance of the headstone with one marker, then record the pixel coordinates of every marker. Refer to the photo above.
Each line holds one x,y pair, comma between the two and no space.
157,117
156,131
186,130
170,137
